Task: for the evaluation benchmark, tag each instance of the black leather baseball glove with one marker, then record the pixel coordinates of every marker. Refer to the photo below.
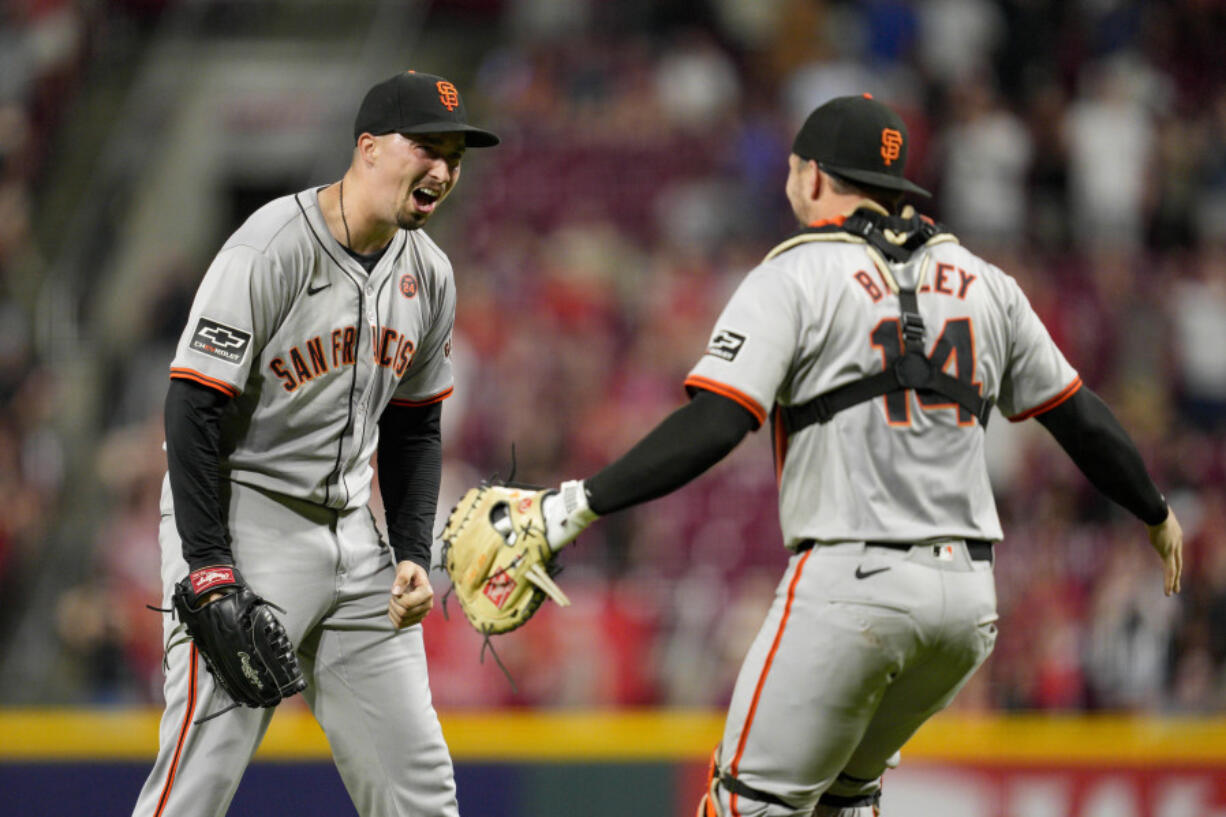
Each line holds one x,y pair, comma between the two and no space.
244,645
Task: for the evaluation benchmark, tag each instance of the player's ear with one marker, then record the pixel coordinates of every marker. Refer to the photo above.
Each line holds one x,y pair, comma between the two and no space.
367,149
819,180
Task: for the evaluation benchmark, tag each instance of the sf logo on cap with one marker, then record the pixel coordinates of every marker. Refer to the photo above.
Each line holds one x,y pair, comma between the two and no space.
448,95
891,145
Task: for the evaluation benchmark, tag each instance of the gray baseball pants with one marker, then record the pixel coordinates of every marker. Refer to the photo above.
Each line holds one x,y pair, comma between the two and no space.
368,686
861,645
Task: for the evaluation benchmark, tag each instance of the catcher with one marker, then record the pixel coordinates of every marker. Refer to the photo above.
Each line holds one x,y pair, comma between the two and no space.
878,346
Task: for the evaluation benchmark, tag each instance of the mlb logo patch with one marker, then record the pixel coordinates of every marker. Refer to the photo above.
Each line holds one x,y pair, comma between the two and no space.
220,341
726,344
944,553
498,588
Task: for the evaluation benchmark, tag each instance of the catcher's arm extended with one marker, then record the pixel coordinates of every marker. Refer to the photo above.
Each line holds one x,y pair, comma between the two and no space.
1094,439
500,540
679,449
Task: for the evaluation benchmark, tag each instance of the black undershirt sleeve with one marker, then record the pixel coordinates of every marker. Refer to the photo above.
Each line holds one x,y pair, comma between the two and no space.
682,446
1089,433
193,458
410,470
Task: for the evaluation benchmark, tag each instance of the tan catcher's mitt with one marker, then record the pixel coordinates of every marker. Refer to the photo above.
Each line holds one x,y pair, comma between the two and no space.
500,563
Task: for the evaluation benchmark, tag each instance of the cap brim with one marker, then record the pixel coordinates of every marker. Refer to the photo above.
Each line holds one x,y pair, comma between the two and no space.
473,137
875,179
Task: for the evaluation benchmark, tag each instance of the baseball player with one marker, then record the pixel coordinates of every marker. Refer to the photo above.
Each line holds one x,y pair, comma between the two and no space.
877,346
319,335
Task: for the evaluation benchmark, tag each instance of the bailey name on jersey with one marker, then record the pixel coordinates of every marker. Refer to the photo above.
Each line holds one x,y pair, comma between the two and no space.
944,282
390,349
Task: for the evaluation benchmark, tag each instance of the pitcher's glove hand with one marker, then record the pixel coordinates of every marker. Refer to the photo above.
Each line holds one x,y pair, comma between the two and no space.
499,561
244,646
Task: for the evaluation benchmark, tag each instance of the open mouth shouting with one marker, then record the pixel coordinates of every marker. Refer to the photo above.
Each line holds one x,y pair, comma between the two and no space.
426,198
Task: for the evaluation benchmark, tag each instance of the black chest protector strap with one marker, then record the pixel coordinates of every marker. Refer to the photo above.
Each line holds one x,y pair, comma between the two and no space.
911,370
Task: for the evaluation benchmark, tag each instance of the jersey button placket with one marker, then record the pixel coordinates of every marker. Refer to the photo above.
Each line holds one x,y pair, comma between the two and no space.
365,367
362,398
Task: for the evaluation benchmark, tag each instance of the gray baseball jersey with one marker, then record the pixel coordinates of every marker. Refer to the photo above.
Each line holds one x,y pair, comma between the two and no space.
906,466
864,642
313,349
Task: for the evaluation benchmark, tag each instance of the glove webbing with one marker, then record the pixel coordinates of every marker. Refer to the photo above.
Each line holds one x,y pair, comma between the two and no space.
487,637
487,643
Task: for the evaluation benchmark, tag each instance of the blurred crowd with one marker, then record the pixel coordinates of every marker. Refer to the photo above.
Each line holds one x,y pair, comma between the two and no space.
47,48
41,46
1079,145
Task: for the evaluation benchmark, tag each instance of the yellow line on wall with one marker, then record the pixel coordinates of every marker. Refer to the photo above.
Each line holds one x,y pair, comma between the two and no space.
1046,739
642,735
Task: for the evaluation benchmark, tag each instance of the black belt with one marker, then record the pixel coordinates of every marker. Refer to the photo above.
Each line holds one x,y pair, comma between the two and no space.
979,549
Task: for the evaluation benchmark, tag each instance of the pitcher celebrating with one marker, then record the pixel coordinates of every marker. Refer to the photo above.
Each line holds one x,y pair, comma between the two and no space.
320,334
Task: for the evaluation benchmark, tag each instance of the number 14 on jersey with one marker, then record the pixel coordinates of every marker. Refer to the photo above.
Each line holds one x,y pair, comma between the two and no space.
954,354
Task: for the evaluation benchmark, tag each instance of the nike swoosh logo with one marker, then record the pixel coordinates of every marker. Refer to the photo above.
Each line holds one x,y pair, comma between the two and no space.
861,573
315,290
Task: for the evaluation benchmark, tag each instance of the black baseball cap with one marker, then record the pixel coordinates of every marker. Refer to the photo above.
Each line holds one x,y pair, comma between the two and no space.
860,139
417,103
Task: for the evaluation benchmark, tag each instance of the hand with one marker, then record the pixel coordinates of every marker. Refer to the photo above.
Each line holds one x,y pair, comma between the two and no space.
566,513
412,595
1167,539
244,645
